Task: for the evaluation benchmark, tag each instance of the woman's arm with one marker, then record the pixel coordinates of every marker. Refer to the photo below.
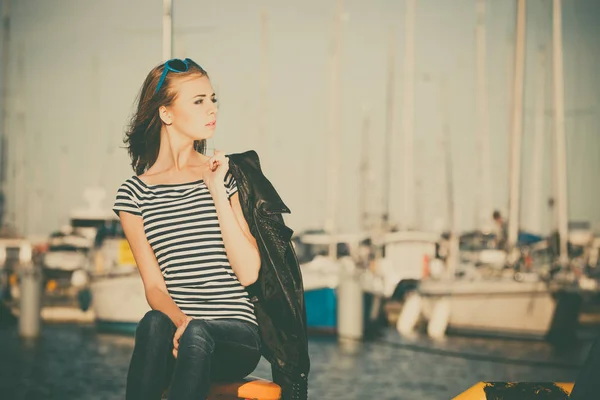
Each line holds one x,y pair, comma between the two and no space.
240,245
154,284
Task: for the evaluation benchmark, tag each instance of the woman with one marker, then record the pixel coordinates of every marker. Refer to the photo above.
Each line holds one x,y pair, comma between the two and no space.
182,216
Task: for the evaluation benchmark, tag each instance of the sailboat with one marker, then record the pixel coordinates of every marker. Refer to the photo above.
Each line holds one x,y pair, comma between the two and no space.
538,307
398,255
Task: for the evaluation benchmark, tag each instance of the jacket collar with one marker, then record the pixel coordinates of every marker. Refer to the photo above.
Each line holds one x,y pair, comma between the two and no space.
245,167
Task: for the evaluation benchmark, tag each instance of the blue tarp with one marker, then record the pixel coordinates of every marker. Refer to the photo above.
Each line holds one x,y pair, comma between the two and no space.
527,238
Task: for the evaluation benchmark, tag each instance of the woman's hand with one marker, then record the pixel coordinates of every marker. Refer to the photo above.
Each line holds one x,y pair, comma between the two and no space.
218,165
178,333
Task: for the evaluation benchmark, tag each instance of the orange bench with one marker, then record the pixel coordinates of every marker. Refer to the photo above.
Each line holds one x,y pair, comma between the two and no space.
250,388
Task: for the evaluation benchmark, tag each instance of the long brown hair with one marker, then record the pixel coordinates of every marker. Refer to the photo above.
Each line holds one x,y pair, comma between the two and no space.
143,134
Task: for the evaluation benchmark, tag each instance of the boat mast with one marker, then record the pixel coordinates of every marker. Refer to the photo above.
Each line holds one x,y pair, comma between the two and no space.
535,208
264,80
389,150
335,133
4,110
517,128
453,256
364,172
560,139
408,191
484,188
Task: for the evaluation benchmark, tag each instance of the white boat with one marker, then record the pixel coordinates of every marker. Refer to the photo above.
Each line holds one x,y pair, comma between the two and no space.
378,279
320,277
409,257
525,308
501,307
119,302
66,262
67,251
70,248
118,297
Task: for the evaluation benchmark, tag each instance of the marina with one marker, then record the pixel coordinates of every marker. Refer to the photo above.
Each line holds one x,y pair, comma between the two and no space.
437,160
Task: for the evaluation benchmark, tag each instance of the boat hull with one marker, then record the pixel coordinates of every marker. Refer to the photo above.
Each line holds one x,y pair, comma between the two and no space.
321,310
507,309
322,313
119,302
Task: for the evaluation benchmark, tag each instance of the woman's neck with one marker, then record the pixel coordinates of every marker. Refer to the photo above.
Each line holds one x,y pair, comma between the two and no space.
177,153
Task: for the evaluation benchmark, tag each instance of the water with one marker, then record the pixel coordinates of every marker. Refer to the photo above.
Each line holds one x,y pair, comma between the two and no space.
76,362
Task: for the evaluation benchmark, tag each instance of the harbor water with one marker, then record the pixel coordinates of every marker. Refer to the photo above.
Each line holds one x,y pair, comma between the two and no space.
77,362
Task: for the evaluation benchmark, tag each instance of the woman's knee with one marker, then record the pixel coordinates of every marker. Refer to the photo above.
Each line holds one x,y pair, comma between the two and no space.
155,323
197,335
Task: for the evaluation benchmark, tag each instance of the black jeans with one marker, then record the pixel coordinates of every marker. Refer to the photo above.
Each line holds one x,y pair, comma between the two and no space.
209,350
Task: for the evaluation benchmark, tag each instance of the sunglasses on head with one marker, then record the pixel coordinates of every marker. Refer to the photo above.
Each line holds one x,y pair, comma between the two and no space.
174,65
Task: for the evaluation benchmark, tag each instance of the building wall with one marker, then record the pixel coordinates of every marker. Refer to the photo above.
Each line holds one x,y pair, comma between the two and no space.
77,66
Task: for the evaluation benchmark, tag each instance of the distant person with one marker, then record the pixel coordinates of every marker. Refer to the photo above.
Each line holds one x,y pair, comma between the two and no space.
192,223
500,230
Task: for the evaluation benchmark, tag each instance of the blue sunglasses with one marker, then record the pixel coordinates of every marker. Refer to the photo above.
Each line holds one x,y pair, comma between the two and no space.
175,65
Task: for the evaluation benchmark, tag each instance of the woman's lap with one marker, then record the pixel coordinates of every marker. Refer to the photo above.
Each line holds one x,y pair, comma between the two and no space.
233,345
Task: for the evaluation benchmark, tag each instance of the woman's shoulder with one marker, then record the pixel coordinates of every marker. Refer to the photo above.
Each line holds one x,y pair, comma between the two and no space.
131,185
132,180
126,198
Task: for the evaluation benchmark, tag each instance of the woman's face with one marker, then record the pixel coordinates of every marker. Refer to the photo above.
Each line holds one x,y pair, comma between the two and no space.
194,110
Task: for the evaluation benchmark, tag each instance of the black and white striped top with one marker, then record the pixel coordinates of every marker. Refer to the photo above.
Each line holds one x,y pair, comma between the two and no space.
181,225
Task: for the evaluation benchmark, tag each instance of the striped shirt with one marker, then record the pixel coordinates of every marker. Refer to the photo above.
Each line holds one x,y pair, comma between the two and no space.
181,225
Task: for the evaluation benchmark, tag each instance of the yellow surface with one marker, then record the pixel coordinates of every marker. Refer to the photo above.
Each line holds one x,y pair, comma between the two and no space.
566,386
12,280
125,253
476,392
249,388
260,389
99,262
51,285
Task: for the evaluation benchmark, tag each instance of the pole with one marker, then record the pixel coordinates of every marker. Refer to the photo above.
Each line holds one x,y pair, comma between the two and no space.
167,30
517,128
560,139
350,304
30,278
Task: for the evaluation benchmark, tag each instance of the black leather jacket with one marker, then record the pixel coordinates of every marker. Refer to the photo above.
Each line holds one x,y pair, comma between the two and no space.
278,294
